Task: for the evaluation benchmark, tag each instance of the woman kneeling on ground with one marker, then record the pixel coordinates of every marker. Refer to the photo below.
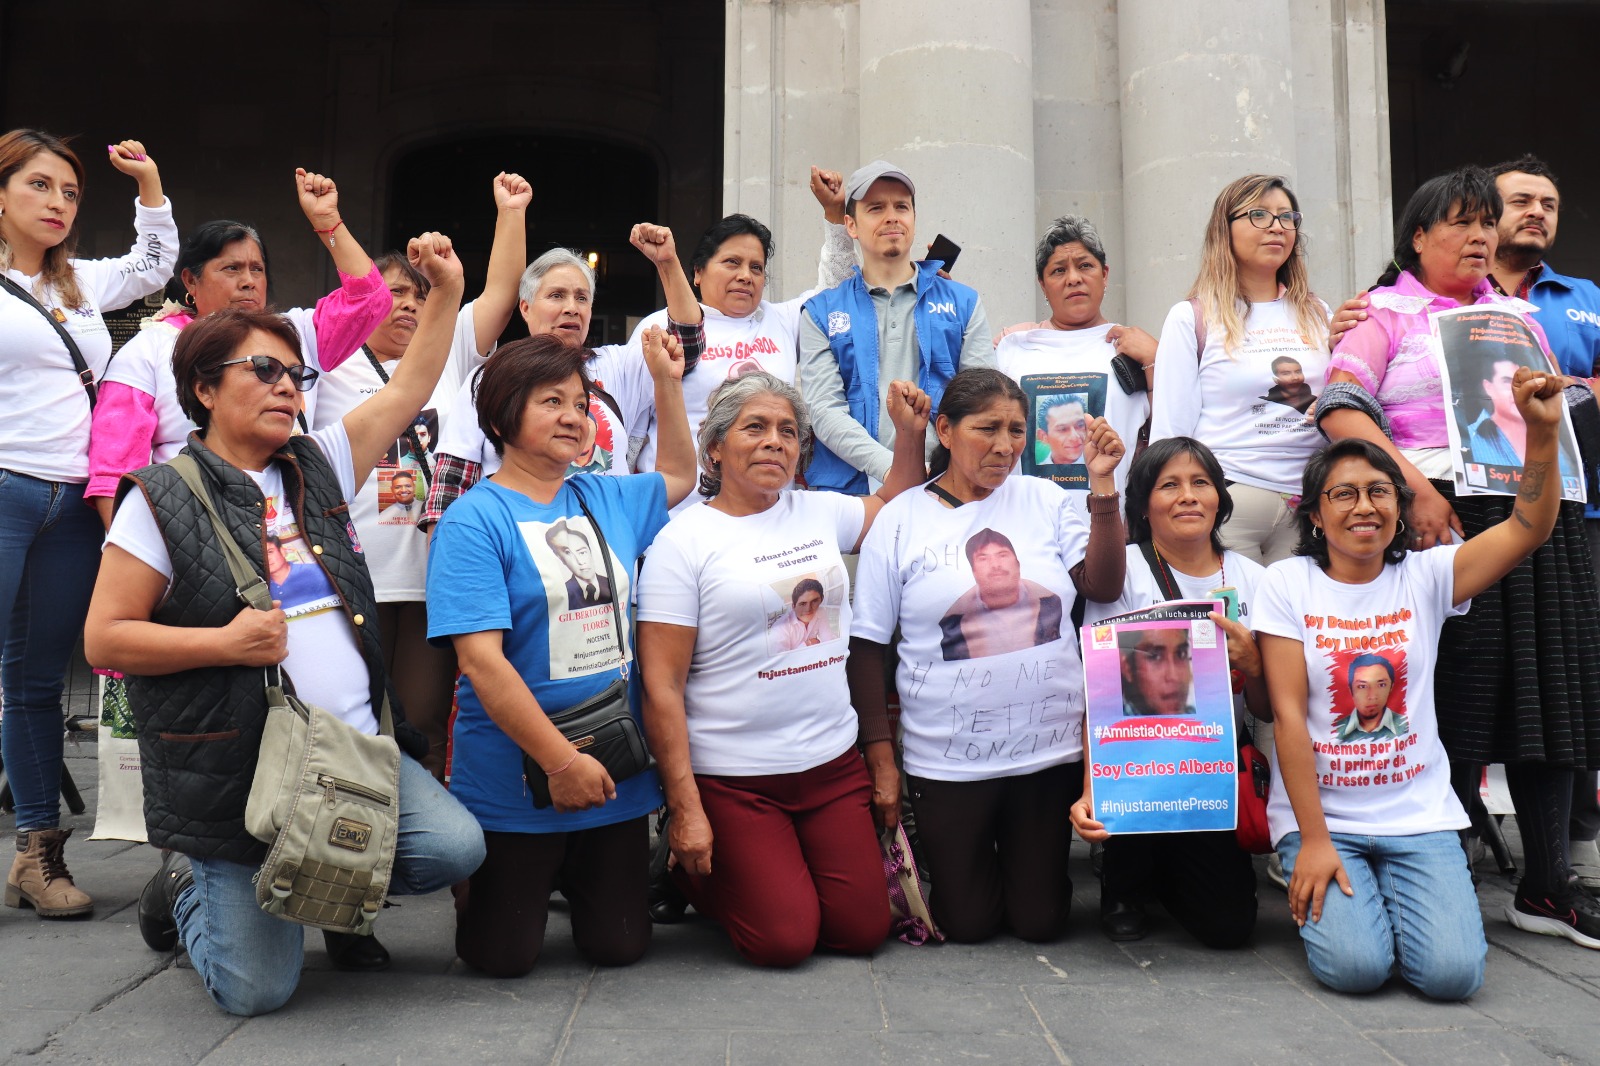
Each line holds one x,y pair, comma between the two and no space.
1361,787
531,575
770,778
1177,500
978,570
165,613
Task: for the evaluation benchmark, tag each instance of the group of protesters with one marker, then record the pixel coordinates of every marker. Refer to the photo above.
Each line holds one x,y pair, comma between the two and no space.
482,535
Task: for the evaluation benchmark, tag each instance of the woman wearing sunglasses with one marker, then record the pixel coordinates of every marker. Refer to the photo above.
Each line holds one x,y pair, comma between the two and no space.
1349,636
223,264
1241,359
166,614
48,543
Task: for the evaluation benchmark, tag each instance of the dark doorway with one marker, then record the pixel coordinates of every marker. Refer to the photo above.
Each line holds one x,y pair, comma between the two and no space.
1481,81
587,195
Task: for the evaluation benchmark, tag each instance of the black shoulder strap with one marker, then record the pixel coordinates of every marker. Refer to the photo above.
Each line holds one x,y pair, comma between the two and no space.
85,375
1162,572
611,578
411,430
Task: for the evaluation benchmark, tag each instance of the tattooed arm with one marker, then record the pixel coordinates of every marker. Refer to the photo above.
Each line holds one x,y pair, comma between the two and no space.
1490,555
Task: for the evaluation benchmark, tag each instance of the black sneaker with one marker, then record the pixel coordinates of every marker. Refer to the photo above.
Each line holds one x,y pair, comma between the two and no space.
1572,914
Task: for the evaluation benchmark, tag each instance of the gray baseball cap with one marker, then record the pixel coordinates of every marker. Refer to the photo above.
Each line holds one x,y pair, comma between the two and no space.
857,184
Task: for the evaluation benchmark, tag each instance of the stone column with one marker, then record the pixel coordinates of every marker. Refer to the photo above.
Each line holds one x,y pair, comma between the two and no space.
790,102
1341,104
947,94
1077,133
1206,98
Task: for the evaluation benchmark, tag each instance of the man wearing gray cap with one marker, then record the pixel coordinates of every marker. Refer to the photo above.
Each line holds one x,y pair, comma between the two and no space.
892,319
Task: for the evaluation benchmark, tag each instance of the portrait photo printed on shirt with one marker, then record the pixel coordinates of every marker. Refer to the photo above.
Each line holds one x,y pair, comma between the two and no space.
583,631
803,611
294,578
1003,611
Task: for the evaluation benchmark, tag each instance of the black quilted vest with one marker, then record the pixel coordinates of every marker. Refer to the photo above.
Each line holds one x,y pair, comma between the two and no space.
200,730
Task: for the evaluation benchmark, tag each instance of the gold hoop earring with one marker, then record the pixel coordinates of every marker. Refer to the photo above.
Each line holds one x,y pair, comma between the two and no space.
188,298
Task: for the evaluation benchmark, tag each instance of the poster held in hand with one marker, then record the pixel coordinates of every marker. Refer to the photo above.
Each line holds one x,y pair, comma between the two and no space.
1482,347
1160,743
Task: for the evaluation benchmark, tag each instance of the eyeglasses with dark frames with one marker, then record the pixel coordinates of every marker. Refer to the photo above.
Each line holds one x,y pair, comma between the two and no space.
1261,218
1380,493
270,371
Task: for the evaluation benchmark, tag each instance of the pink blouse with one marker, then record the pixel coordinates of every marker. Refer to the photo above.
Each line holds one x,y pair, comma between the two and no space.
1394,356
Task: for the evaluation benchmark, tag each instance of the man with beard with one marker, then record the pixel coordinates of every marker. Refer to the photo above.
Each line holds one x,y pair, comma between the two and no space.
1568,310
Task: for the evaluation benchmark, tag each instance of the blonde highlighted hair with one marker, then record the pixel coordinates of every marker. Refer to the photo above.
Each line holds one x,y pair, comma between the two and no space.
1218,287
16,149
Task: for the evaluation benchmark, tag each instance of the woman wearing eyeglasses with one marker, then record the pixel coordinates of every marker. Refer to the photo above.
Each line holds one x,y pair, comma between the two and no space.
1349,635
1521,673
1242,358
166,614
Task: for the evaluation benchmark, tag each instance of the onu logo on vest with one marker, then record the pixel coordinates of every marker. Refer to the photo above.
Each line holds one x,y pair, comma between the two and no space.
1585,317
946,308
838,322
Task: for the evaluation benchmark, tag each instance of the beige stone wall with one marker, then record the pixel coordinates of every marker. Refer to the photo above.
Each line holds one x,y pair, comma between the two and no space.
1132,112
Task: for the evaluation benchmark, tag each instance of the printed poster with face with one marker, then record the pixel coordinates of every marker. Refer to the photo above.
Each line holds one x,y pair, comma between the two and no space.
1059,408
583,633
1161,744
1481,349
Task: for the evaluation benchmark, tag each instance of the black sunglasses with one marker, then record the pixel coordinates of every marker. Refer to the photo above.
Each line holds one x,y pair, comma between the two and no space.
269,371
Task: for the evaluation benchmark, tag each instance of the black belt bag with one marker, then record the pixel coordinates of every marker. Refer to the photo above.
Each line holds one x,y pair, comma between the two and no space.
602,726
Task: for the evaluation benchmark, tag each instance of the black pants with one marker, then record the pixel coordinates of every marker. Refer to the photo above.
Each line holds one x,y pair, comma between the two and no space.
1203,880
603,872
997,852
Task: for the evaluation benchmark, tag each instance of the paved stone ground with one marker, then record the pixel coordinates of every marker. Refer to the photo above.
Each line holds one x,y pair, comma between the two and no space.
90,991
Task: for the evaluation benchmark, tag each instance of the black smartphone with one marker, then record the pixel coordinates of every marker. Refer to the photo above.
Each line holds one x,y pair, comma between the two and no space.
945,251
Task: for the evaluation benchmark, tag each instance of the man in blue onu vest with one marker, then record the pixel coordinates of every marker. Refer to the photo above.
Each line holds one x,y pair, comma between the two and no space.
892,319
1568,310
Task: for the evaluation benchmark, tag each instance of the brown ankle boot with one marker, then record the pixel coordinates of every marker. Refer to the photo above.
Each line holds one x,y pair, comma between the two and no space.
40,879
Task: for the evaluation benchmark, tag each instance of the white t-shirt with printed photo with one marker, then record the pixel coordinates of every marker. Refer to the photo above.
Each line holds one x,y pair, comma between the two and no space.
1069,369
324,660
1237,404
1370,651
764,340
769,597
616,368
990,680
397,554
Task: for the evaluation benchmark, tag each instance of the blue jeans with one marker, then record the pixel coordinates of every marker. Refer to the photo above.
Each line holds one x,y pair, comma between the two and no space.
250,961
1414,908
49,555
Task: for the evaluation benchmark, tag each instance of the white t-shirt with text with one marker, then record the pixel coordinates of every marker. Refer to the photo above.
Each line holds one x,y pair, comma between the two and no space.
1370,651
397,554
990,679
769,598
1238,404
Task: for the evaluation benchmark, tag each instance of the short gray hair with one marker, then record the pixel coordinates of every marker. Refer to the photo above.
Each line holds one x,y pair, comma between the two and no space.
724,406
528,287
1065,230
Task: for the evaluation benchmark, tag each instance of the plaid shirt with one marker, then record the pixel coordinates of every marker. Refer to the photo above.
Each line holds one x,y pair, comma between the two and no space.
453,475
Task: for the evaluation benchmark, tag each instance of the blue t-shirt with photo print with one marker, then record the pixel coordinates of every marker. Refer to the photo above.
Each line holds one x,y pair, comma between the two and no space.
500,561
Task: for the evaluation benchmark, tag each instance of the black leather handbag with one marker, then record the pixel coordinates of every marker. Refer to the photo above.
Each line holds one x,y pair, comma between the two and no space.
602,726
